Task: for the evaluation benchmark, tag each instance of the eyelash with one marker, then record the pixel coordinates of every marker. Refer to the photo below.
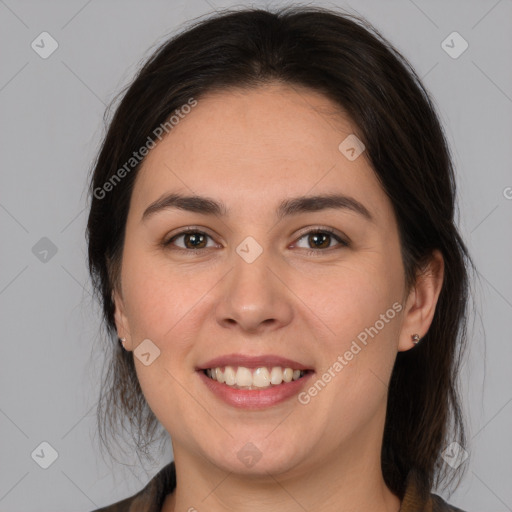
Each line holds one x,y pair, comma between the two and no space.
310,252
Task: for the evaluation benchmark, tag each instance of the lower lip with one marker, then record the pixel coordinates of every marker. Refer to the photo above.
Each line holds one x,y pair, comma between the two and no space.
255,398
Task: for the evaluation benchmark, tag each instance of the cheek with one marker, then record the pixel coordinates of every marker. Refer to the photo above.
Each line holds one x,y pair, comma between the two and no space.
164,305
160,298
361,305
353,297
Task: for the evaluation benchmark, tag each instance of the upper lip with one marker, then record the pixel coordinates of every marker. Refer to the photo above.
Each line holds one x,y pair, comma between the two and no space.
267,360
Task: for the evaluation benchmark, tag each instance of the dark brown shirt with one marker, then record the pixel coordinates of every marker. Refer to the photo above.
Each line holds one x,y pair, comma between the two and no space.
152,497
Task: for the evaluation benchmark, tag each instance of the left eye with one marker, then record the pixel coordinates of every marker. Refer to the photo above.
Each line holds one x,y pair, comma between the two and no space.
197,240
321,239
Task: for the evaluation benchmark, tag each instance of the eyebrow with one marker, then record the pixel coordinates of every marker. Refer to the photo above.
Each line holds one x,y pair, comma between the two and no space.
288,207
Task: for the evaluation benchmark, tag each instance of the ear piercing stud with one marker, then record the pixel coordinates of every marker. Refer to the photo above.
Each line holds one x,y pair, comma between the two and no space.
415,339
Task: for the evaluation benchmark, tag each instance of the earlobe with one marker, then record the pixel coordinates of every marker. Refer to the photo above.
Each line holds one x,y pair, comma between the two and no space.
422,302
120,319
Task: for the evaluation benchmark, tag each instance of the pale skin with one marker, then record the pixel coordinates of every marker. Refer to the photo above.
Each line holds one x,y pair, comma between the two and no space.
251,150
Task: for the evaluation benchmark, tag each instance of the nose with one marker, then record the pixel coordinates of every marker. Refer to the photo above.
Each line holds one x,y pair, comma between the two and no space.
254,296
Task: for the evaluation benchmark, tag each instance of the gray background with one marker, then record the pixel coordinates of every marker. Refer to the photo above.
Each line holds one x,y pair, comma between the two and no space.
51,111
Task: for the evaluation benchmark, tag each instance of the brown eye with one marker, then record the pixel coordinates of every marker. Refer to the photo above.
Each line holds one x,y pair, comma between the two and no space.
196,240
192,239
321,239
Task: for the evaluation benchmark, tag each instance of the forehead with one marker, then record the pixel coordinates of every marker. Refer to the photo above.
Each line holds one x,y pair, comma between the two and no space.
262,143
275,120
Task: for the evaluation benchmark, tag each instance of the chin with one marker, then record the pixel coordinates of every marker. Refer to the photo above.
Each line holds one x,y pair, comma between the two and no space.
258,458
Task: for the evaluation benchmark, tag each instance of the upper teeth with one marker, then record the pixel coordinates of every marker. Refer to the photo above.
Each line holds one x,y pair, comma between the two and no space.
257,377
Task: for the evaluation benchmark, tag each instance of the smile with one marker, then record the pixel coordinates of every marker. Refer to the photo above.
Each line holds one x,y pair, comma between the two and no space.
253,378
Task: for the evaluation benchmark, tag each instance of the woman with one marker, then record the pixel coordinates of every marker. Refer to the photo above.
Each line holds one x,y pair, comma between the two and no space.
272,237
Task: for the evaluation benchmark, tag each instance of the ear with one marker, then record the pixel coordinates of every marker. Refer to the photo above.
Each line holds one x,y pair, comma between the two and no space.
421,302
121,319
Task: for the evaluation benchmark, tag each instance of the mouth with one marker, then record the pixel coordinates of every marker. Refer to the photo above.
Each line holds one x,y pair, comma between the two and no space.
259,378
254,382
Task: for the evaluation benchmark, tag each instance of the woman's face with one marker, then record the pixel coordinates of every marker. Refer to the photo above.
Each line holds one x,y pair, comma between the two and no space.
264,281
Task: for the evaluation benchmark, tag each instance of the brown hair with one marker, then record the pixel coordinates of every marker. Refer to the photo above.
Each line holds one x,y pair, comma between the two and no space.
343,57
